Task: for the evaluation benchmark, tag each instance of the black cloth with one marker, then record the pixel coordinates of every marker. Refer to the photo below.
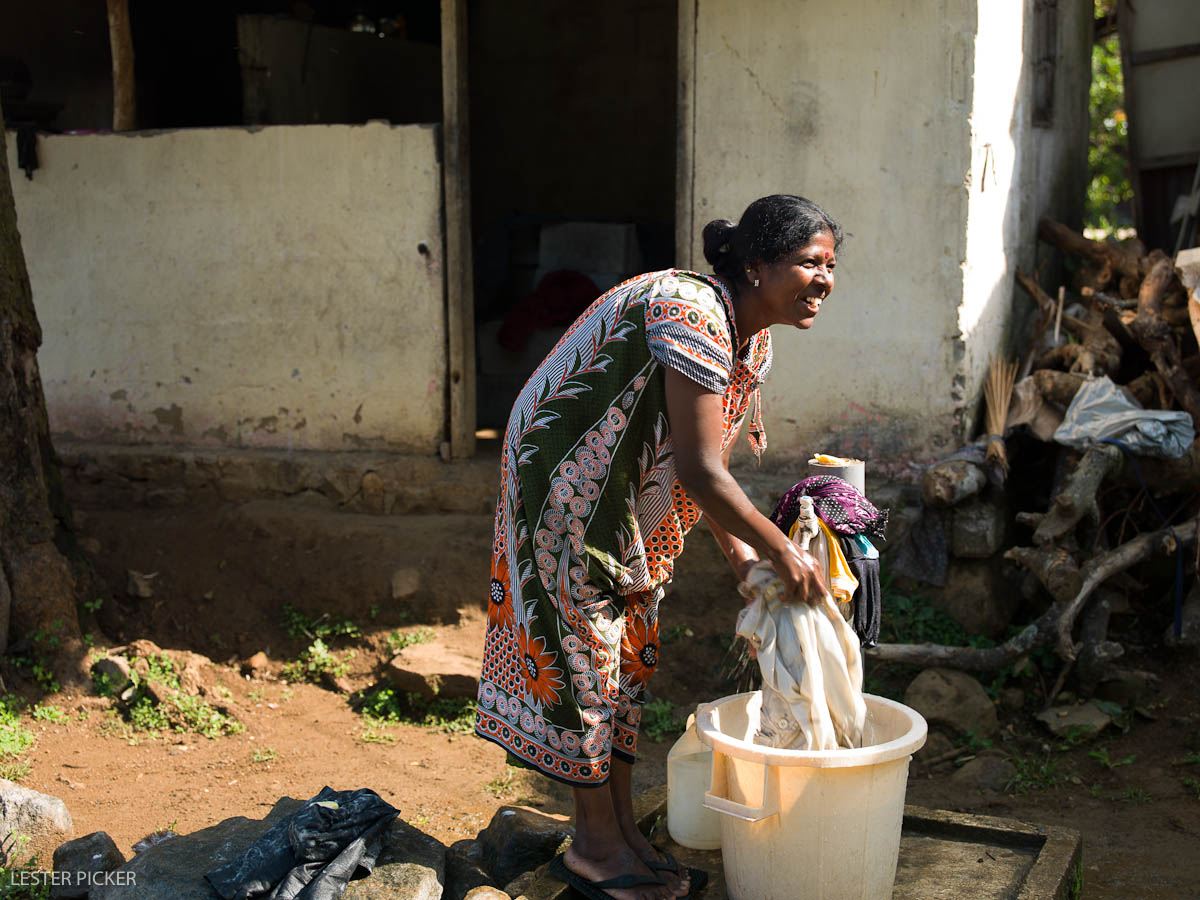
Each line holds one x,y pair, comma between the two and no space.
313,853
868,598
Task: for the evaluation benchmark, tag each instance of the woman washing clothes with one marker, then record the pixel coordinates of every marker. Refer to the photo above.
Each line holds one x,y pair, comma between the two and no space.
617,444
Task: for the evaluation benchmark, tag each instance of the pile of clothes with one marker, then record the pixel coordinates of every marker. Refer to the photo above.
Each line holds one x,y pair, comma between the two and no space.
807,653
847,520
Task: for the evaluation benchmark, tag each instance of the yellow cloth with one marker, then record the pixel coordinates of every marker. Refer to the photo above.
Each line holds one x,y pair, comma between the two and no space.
838,576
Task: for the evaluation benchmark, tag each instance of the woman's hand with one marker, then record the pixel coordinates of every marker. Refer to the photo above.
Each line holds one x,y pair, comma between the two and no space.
801,574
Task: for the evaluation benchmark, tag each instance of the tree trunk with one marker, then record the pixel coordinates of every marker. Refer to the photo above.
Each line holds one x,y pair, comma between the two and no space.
38,579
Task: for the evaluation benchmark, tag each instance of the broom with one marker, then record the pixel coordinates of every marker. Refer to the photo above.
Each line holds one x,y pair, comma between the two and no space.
998,393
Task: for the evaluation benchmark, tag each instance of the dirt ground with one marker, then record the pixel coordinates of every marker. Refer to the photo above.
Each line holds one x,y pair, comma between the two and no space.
223,575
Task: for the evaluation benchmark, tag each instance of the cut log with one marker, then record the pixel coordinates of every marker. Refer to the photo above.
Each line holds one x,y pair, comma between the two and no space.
1103,566
1059,388
1078,495
1097,353
1053,624
1122,261
1096,652
1054,567
949,483
1151,331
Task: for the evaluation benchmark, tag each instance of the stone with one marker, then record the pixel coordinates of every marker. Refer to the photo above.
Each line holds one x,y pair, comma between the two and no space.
955,699
486,892
433,669
90,545
373,499
174,869
140,584
78,862
986,772
976,529
1012,699
978,597
519,839
411,866
257,666
464,872
40,818
405,583
936,745
1125,687
1081,718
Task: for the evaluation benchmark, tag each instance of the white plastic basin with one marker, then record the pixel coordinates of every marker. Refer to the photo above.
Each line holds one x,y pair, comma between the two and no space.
809,824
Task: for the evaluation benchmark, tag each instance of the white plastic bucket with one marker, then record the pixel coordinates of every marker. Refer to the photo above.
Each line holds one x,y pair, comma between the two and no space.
809,824
689,773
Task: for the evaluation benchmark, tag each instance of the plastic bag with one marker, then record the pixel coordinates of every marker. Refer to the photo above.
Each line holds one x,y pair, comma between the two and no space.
1101,410
811,668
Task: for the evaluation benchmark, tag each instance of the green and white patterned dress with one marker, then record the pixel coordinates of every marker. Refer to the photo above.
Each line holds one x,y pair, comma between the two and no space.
591,516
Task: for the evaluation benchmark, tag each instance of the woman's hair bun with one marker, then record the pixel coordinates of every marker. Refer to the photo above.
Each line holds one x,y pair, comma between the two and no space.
717,235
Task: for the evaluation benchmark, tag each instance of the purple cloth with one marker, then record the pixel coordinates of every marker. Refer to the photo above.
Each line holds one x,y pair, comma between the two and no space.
839,504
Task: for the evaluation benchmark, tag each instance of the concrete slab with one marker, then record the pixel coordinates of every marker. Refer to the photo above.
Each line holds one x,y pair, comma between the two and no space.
943,856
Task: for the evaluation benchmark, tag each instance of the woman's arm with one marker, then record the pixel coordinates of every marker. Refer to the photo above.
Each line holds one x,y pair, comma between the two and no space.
741,556
696,428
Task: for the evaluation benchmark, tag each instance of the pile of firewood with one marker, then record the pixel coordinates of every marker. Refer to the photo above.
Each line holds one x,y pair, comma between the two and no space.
1136,321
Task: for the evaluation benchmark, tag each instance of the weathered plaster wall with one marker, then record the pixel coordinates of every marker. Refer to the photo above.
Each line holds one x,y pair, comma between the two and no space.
867,114
997,195
233,288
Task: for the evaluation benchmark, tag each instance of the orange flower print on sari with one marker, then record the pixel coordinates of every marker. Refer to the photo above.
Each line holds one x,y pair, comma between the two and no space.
639,649
543,680
500,607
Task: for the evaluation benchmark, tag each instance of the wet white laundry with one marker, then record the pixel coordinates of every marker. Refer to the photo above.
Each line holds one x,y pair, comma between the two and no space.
811,665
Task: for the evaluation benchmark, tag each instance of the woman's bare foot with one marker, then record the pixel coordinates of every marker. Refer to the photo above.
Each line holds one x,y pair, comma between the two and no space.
678,881
603,863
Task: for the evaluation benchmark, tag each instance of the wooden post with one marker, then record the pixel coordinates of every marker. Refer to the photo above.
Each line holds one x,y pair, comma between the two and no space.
456,180
121,40
685,148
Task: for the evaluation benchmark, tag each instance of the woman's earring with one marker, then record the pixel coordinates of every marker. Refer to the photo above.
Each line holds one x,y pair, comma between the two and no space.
756,282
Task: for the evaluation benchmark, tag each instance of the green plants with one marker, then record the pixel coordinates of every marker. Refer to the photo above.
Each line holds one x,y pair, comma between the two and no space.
15,739
659,721
144,715
300,625
317,660
400,640
1101,756
1036,773
93,606
501,784
384,704
15,770
1135,795
674,633
264,755
193,714
160,669
376,736
48,713
1192,783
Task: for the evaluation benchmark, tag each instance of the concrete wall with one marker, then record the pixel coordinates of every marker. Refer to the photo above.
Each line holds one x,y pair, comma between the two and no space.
866,113
914,129
236,288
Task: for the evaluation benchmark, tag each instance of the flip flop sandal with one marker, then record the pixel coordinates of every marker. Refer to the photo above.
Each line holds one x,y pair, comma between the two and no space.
697,877
595,890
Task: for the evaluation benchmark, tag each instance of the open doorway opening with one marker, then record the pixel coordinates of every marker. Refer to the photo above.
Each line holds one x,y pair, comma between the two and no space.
572,117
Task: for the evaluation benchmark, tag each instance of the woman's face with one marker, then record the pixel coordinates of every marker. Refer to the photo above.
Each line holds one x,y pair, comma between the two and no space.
793,288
